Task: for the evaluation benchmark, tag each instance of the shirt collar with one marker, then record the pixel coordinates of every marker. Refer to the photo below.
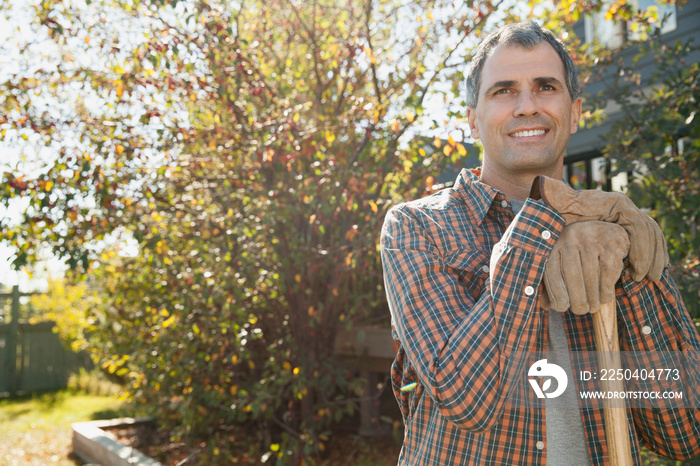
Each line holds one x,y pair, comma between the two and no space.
478,197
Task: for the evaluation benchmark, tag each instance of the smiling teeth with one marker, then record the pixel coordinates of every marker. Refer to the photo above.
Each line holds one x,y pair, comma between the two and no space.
525,134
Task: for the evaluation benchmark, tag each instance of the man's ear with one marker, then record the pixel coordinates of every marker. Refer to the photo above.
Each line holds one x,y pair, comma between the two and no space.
473,126
575,114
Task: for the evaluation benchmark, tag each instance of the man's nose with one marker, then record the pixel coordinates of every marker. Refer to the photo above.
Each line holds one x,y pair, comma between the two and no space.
526,105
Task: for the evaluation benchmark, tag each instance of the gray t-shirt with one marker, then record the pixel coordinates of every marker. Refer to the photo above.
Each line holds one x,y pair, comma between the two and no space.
566,440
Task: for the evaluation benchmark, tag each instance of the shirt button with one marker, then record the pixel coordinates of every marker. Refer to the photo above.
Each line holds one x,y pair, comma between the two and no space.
485,269
540,445
646,330
546,234
529,290
504,203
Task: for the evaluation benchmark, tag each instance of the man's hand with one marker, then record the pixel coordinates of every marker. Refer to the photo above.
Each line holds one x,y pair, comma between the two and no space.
647,253
583,267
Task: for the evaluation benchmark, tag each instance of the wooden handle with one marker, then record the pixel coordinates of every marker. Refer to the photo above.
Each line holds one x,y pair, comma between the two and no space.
614,412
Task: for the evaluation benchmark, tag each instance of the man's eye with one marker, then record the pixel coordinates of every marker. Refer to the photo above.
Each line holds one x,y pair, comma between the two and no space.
502,91
547,87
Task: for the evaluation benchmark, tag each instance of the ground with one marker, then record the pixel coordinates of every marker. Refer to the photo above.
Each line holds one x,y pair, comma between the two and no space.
36,430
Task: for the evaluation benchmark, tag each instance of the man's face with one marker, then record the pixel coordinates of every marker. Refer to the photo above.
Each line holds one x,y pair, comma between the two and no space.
524,115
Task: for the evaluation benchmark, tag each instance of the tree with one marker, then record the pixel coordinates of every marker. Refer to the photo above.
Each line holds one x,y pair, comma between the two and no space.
70,307
250,150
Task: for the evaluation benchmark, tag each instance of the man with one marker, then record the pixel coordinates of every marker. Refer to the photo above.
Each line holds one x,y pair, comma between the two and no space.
511,261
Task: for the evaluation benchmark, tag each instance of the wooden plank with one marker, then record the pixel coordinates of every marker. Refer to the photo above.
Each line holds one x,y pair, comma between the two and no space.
43,359
94,445
373,342
4,374
12,342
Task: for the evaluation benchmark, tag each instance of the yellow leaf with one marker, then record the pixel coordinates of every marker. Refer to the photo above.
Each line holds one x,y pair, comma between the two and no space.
451,140
296,371
437,142
274,447
286,366
369,53
461,150
167,323
330,137
421,151
212,144
374,206
233,390
297,278
447,150
120,149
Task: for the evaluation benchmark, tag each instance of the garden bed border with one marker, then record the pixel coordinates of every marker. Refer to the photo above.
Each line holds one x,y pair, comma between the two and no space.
92,444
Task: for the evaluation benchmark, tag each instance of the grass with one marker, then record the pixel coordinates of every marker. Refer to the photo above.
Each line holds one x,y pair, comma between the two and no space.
36,429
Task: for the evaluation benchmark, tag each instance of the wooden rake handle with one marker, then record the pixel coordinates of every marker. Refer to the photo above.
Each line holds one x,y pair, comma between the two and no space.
614,411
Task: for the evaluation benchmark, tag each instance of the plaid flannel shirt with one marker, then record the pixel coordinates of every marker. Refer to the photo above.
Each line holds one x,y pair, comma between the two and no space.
462,277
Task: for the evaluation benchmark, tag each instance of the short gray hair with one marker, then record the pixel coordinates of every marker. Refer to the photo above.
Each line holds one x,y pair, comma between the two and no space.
526,35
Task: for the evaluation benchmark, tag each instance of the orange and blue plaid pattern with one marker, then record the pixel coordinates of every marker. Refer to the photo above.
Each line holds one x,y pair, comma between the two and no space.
462,275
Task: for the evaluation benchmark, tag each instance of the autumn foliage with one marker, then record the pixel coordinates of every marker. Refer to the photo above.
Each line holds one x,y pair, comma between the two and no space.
221,173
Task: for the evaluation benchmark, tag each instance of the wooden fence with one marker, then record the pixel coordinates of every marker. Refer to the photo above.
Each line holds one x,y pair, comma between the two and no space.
32,357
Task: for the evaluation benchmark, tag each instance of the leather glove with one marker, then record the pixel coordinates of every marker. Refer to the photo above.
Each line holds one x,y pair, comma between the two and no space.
583,267
647,255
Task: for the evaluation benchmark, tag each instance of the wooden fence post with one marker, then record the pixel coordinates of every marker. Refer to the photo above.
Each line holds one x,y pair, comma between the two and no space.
12,340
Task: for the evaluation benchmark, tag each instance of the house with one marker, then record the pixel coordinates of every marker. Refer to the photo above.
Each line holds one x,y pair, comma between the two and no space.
584,165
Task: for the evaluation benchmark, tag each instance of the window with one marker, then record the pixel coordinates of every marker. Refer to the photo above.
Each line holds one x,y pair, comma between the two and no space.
614,34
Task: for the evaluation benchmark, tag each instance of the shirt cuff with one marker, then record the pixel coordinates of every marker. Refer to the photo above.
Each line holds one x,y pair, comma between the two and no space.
535,228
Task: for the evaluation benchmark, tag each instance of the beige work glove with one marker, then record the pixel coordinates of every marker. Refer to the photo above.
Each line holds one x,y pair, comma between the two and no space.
647,253
583,267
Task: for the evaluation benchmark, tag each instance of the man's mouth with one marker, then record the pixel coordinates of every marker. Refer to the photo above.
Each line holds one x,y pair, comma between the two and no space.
529,133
